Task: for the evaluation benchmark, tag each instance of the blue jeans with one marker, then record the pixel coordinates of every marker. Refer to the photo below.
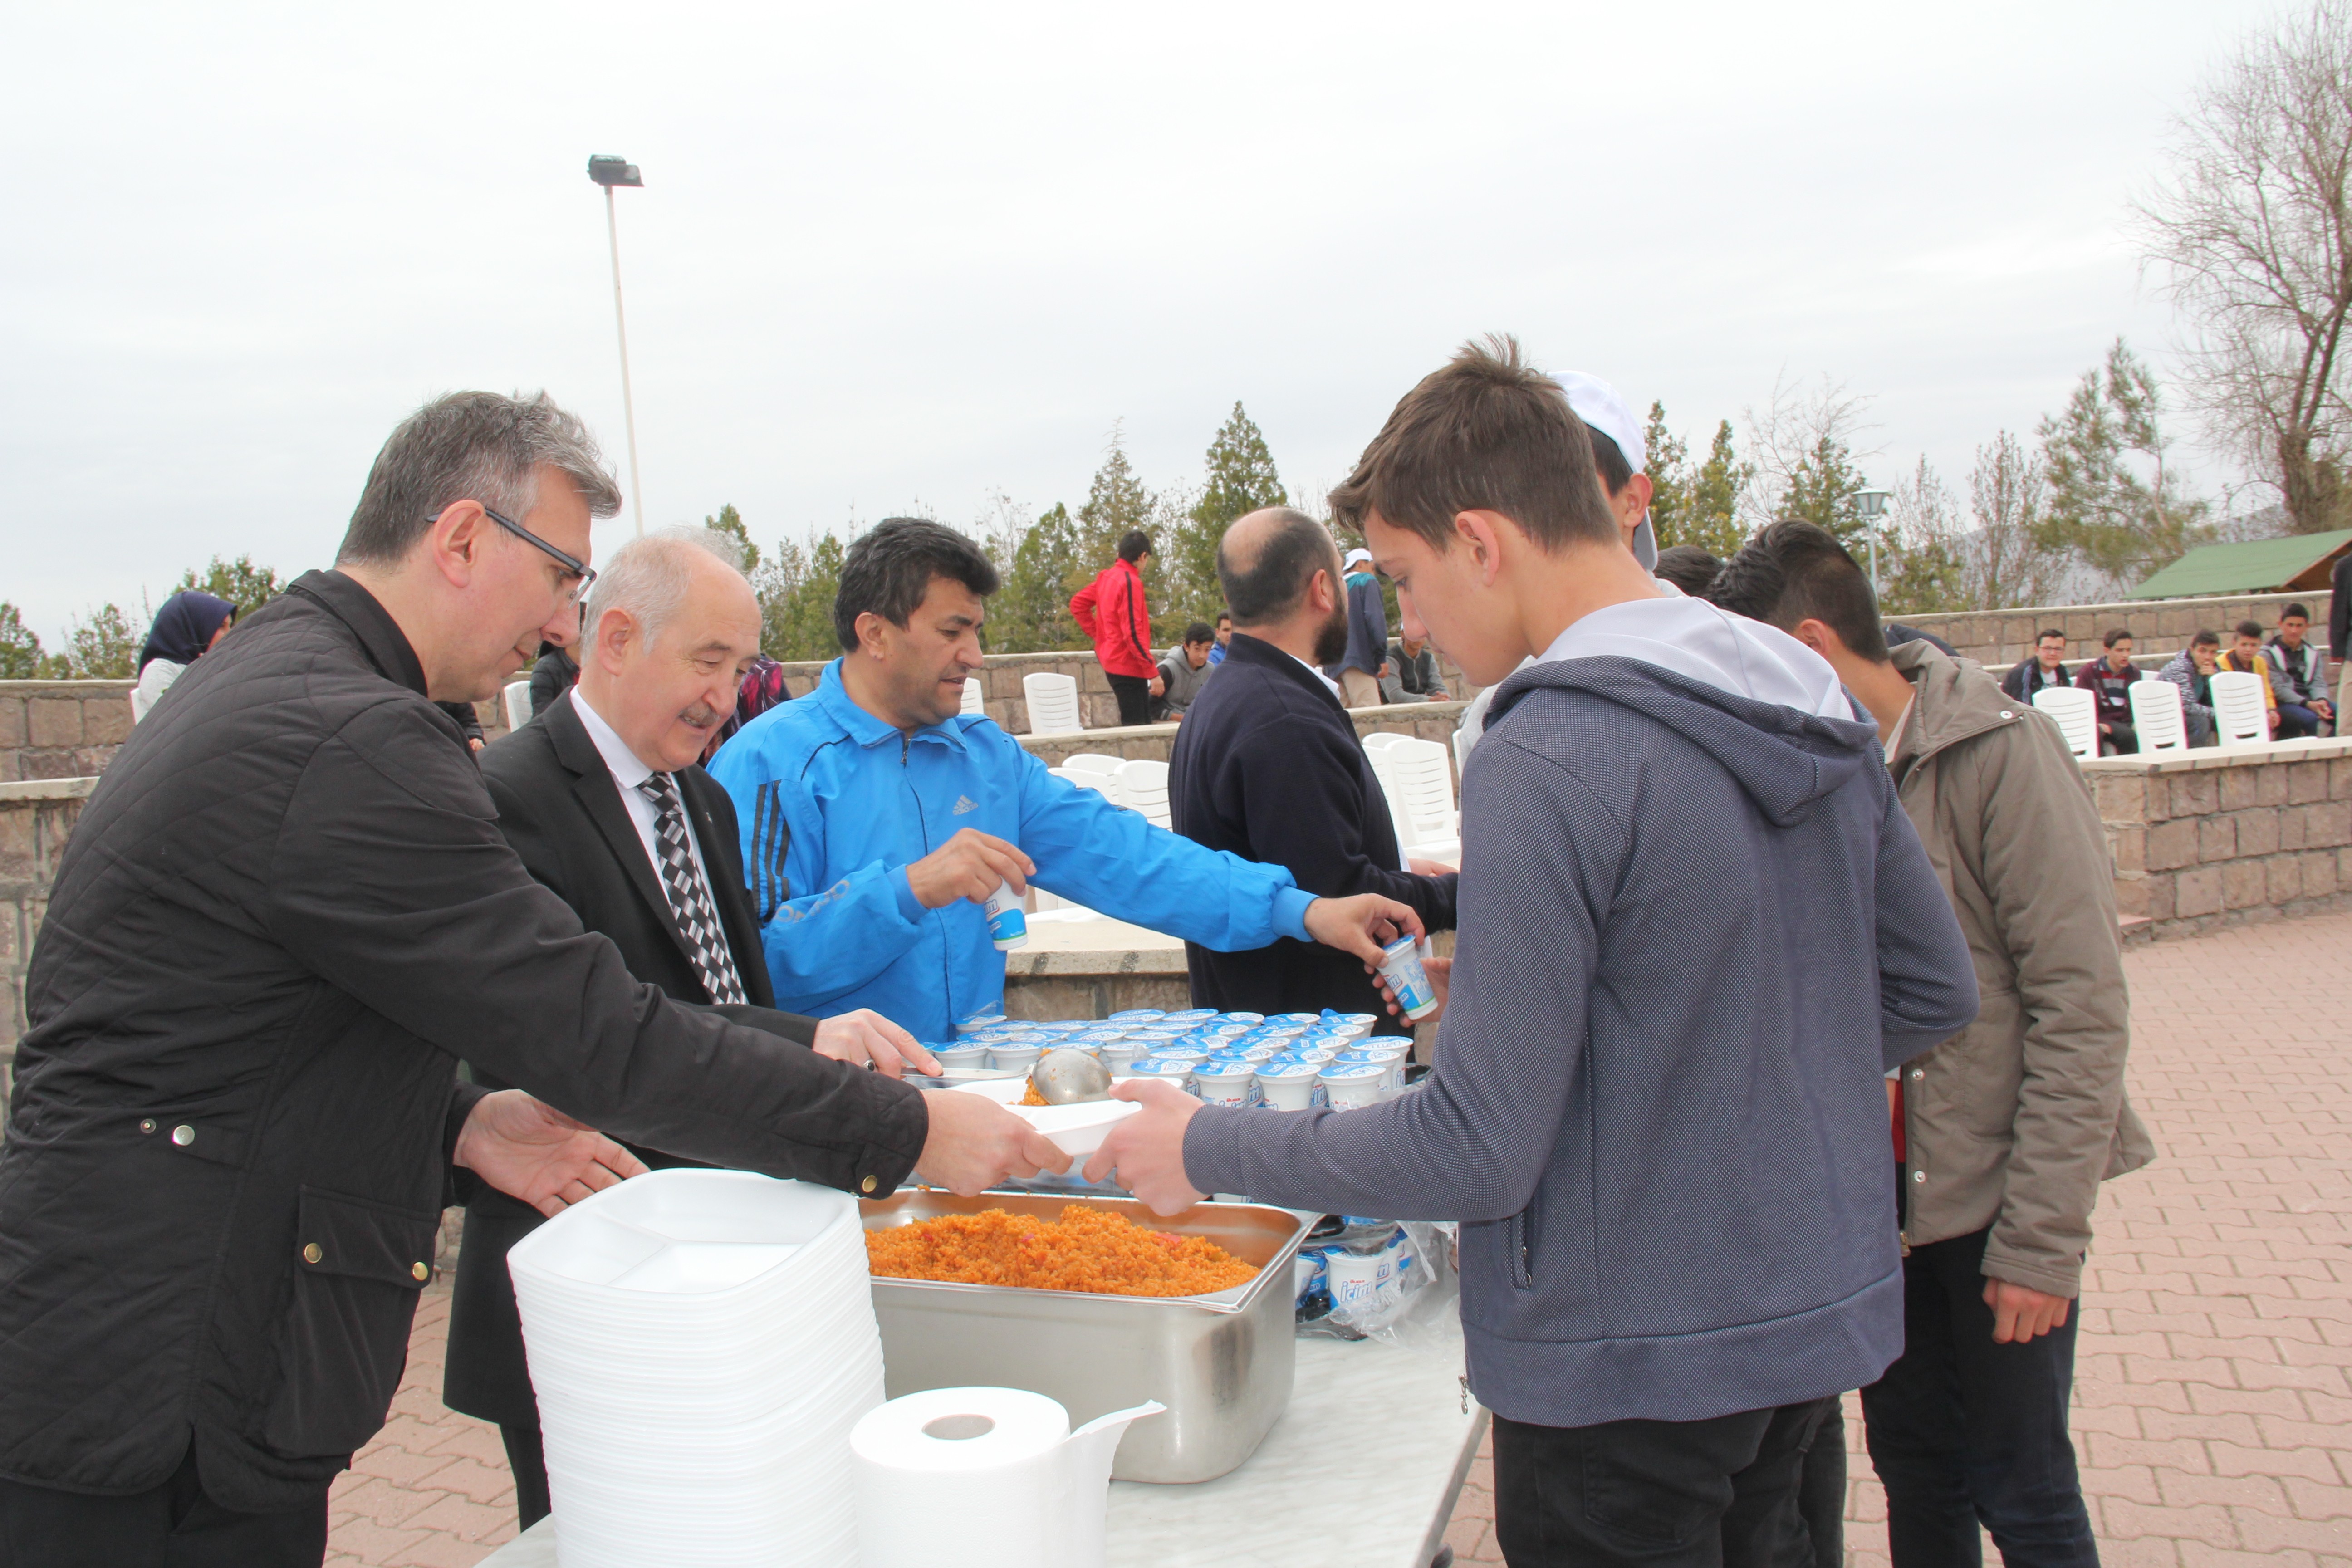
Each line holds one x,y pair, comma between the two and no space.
1961,1429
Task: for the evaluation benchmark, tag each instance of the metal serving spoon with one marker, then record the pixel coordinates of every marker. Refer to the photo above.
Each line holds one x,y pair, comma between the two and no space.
1064,1076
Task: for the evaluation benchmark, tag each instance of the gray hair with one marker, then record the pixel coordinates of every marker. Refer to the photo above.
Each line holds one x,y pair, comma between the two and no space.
646,578
470,446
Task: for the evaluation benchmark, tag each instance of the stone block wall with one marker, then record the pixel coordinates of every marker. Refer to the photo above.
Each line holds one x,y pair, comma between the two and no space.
1999,638
36,817
2218,837
61,729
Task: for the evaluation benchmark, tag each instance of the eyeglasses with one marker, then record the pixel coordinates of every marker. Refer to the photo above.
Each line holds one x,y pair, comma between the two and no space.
570,563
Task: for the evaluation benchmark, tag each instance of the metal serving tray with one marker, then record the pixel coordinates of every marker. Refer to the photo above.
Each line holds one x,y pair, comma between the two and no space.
1222,1363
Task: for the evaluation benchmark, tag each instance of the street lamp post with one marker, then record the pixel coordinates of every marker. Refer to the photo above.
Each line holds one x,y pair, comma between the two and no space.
610,172
1870,506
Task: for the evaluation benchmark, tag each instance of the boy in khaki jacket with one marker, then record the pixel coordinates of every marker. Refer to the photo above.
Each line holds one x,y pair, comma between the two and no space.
2007,1129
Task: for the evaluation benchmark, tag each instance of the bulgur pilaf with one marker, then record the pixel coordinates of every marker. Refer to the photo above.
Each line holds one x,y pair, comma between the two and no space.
1084,1249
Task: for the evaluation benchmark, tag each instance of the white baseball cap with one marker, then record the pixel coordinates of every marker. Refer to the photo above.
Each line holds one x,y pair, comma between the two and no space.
1358,553
1597,404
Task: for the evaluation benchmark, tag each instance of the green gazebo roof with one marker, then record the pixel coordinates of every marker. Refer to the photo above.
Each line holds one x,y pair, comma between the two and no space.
2257,566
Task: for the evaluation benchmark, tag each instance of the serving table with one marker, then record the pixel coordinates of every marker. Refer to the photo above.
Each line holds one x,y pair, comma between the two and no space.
1363,1468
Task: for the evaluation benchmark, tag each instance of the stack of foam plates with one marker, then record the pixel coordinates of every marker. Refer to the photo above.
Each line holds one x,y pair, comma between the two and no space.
701,1342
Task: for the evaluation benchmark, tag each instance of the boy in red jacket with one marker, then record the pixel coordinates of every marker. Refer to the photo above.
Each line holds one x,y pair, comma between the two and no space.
1111,611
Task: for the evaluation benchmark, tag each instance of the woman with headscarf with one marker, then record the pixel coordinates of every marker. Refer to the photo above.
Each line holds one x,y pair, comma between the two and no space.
189,623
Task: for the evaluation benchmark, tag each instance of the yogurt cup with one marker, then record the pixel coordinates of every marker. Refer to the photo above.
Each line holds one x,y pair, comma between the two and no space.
1231,1084
1137,1016
1350,1086
1178,1073
1400,967
1008,924
1289,1086
1005,1057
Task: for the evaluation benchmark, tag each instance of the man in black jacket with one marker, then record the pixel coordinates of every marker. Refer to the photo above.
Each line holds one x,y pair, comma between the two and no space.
1267,765
284,913
588,793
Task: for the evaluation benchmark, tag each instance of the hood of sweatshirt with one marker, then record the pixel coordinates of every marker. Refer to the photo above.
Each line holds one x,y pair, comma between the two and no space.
1726,684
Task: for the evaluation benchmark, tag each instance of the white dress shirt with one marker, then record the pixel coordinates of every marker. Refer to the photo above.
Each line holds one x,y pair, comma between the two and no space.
629,773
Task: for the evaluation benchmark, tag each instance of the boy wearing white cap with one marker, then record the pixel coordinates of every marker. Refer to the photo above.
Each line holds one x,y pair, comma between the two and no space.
1361,668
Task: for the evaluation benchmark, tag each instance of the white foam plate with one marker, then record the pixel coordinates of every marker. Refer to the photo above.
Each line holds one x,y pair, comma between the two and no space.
1075,1130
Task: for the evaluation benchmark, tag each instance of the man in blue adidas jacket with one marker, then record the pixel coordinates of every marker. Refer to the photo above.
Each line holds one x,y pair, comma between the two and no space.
877,818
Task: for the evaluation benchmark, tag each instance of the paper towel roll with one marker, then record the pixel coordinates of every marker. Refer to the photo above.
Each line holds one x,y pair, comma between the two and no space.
969,1476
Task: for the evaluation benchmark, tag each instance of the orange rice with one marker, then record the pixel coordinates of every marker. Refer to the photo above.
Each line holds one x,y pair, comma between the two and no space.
1085,1249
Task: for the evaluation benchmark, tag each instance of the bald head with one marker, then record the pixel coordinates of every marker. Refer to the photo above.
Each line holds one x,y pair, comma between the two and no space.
672,627
1267,562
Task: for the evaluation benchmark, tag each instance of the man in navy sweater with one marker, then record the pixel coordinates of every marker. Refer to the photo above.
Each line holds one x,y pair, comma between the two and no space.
1268,766
1696,931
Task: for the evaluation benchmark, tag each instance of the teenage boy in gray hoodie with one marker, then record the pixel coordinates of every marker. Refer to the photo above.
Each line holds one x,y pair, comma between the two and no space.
1695,929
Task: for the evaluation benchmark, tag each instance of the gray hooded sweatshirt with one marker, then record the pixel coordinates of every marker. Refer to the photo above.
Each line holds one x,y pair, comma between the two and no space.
1695,929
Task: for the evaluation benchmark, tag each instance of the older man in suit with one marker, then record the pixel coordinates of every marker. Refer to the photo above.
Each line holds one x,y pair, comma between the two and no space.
601,797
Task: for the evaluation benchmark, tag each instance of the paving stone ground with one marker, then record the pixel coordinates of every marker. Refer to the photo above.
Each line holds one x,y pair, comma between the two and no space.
2214,1399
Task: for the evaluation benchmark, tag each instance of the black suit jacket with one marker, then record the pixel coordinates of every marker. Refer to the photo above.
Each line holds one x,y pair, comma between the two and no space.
1267,765
559,807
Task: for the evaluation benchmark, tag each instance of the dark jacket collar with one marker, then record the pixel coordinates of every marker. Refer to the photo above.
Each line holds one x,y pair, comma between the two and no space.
385,644
1247,650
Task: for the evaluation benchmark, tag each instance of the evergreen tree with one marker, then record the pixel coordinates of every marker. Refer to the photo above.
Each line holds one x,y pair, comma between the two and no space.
1031,613
1821,490
1241,480
1695,505
2121,522
796,588
103,647
21,658
240,582
730,522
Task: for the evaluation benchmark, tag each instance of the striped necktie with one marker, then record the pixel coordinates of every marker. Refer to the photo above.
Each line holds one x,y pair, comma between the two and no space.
689,895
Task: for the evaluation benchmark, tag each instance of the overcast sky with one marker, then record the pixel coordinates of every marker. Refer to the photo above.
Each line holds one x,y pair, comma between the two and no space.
897,255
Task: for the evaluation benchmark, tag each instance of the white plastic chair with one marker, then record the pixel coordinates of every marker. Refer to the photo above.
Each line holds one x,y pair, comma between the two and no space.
973,703
2239,714
518,700
1053,704
1143,786
2076,713
2158,717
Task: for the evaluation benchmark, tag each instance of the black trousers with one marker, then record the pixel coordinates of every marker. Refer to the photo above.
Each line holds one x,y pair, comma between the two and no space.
1962,1430
1134,694
528,1460
175,1525
1720,1493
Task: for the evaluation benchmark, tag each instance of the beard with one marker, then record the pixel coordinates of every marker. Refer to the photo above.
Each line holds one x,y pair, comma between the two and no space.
1331,637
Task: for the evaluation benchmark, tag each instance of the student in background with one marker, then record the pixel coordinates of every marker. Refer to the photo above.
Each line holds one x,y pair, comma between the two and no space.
2044,667
1687,567
1111,610
2191,670
1183,672
2298,678
2245,658
2109,682
1224,637
189,623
